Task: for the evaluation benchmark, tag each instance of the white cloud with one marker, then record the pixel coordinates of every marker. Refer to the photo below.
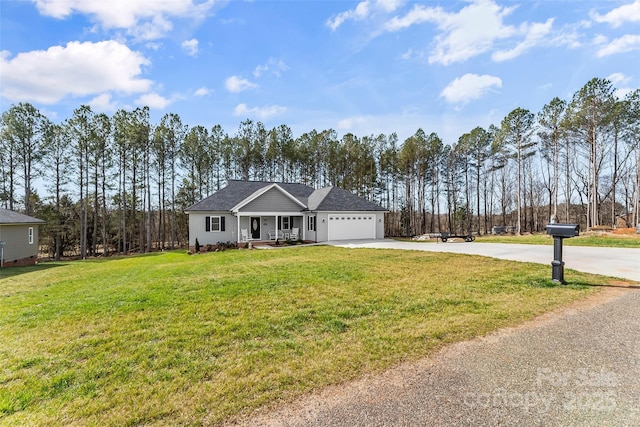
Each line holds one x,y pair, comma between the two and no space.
103,103
568,36
618,78
77,69
473,30
236,84
146,20
349,124
600,39
191,47
389,5
363,10
418,15
276,66
259,70
469,87
461,36
412,54
153,100
620,15
203,91
153,45
626,43
535,34
262,113
622,92
153,29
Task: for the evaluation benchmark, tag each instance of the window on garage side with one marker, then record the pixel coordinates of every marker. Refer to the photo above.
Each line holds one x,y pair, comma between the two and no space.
311,223
31,235
214,224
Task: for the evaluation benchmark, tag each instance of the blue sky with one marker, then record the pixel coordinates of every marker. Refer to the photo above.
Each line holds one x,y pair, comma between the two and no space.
364,67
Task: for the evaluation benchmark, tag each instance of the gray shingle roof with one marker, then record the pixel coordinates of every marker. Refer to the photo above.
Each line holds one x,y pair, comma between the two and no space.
11,217
337,199
236,191
324,199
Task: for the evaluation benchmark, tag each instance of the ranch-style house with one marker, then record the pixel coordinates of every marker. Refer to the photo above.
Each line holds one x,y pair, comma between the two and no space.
252,211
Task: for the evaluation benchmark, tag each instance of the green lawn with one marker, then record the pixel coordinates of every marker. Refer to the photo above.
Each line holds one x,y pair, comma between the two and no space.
170,339
610,240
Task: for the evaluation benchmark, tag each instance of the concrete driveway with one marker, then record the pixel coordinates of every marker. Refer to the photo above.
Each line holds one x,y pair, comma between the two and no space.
616,262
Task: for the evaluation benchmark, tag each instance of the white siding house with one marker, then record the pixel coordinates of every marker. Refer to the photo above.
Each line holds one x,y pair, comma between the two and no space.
260,211
18,238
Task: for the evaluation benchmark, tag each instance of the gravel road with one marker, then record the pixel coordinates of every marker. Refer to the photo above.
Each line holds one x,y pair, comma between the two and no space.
577,366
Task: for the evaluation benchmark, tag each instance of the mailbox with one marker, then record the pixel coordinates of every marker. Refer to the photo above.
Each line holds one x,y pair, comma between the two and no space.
560,232
563,230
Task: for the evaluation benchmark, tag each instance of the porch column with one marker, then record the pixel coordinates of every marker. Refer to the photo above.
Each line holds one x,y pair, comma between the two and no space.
238,224
276,227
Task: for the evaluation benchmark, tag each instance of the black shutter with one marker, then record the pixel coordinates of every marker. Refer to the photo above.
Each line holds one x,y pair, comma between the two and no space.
221,223
279,223
207,223
290,222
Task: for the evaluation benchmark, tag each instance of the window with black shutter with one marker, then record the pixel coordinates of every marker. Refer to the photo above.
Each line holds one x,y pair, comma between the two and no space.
214,224
285,222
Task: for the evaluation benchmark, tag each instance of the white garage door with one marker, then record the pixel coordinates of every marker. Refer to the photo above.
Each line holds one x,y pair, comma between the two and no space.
352,226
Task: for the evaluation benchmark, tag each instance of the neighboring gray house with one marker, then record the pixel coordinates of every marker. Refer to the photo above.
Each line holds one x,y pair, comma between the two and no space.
18,238
260,211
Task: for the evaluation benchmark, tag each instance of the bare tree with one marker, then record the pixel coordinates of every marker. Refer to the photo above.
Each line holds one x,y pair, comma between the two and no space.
552,135
23,127
516,131
590,116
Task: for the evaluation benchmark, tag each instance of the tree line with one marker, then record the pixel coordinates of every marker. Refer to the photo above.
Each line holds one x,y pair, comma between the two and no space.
121,183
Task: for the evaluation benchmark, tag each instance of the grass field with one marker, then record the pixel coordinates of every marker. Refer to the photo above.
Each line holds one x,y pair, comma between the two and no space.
168,339
607,240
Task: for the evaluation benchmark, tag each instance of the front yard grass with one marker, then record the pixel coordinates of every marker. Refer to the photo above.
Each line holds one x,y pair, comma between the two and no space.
608,240
169,339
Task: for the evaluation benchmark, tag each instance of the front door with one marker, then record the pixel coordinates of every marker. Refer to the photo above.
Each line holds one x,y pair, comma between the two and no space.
255,227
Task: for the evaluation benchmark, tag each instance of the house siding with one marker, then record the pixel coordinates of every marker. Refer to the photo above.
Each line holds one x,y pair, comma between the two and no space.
17,245
272,201
197,228
304,230
239,202
268,223
380,225
322,226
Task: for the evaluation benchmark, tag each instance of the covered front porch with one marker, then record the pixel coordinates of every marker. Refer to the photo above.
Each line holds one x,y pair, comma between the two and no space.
256,227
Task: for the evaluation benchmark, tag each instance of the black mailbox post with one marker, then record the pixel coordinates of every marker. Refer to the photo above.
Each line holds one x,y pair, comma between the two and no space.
559,232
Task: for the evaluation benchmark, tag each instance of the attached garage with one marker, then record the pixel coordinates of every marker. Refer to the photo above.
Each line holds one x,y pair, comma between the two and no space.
283,210
352,226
